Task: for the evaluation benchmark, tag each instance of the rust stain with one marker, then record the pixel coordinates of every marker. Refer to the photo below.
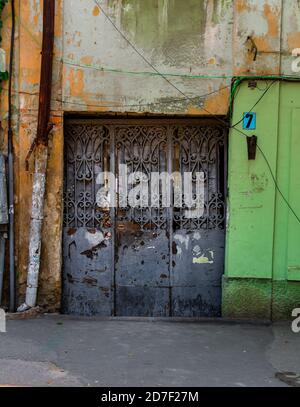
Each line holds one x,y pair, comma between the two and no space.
93,252
242,5
76,80
71,232
96,11
87,60
92,282
214,104
272,17
293,40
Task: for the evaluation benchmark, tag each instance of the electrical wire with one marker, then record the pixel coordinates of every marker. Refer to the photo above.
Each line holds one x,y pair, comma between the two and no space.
211,114
139,73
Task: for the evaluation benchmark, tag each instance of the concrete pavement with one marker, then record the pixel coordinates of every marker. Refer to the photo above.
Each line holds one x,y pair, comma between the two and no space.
66,351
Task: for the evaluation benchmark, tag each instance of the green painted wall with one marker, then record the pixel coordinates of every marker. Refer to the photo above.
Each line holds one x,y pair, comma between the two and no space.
262,277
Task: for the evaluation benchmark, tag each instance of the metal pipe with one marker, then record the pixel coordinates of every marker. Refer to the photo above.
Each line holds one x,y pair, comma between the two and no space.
3,220
37,216
41,157
11,169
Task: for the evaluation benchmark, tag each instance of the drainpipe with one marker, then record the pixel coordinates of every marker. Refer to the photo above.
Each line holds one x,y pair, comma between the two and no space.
40,145
3,220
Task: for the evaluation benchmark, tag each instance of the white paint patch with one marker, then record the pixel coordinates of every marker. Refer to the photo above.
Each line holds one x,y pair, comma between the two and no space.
2,60
2,321
127,8
94,238
197,236
184,240
197,251
239,384
254,19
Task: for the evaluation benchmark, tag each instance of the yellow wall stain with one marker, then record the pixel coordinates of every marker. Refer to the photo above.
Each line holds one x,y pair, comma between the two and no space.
202,260
293,41
273,19
96,11
76,81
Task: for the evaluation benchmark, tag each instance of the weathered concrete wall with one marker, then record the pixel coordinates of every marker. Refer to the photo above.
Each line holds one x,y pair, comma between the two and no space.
185,40
274,26
25,103
199,44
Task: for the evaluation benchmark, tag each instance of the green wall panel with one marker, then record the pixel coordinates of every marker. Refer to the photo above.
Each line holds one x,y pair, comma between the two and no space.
262,276
251,189
287,228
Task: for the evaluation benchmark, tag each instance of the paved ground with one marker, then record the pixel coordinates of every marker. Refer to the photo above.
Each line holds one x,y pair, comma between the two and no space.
67,351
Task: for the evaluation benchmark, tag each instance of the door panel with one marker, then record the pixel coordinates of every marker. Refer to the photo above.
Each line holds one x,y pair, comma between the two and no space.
142,272
198,301
197,290
152,259
199,241
87,233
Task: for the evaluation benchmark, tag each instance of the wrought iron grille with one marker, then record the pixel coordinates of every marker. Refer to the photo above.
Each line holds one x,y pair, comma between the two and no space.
87,154
201,150
91,148
144,150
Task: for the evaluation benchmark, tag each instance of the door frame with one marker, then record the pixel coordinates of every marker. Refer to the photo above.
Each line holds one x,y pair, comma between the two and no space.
136,119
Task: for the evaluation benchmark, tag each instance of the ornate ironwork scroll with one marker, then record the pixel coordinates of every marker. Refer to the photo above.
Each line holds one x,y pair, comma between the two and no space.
87,154
144,149
201,150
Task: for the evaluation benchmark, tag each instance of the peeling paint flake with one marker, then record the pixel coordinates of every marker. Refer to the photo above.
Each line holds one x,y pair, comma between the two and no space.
202,260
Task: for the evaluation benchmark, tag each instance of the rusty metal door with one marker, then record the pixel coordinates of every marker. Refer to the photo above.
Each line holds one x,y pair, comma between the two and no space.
87,243
148,259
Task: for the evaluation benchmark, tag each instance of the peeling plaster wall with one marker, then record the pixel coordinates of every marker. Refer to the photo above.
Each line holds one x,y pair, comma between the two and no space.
28,40
95,70
178,38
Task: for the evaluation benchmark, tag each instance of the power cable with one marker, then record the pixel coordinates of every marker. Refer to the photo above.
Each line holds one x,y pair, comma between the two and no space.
143,73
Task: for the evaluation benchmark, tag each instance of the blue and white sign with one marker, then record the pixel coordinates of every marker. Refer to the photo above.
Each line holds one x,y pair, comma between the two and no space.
249,121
